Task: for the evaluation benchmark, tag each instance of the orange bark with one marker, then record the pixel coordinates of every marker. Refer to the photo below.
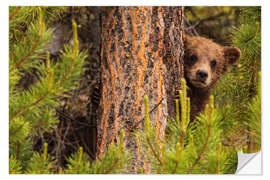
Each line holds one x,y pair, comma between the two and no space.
141,54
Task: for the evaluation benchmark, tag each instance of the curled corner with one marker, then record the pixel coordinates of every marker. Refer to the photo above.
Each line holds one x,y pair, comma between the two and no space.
249,163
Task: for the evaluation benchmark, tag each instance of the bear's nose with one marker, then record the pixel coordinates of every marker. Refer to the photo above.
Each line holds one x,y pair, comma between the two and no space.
202,75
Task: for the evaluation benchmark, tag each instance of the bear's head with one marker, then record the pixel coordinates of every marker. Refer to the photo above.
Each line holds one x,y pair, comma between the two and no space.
205,61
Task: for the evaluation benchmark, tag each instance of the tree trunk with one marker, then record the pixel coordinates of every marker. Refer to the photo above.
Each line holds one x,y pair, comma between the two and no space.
141,54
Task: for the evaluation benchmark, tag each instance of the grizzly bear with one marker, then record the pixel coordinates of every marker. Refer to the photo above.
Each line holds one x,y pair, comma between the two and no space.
204,63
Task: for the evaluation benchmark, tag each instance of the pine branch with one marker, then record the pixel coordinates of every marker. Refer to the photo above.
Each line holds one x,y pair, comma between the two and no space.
201,152
176,166
17,130
113,166
18,149
142,120
19,112
253,36
15,12
79,160
66,74
181,141
27,55
74,55
153,150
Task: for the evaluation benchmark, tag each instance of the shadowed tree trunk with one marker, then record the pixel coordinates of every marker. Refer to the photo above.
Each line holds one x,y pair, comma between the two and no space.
141,54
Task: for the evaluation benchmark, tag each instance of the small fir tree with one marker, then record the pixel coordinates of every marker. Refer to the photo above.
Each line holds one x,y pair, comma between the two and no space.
187,147
238,93
32,110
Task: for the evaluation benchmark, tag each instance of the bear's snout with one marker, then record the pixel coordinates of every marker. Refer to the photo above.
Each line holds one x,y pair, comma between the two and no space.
202,75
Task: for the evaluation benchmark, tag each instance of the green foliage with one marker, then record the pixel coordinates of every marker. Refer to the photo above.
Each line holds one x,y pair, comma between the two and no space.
78,163
115,160
15,166
41,163
253,118
32,110
237,94
188,148
22,16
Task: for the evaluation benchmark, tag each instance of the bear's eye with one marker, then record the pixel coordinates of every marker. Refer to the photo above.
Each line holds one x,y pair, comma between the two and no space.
193,58
213,63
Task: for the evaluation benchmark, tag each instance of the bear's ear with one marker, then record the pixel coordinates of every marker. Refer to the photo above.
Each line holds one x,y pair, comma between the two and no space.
231,54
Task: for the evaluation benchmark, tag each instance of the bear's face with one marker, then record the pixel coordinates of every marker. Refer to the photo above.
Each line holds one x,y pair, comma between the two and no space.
205,61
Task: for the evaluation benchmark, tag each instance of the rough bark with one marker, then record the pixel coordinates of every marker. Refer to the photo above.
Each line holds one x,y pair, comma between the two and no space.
141,54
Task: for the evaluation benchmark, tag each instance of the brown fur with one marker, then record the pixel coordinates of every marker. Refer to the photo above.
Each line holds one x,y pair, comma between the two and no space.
204,63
